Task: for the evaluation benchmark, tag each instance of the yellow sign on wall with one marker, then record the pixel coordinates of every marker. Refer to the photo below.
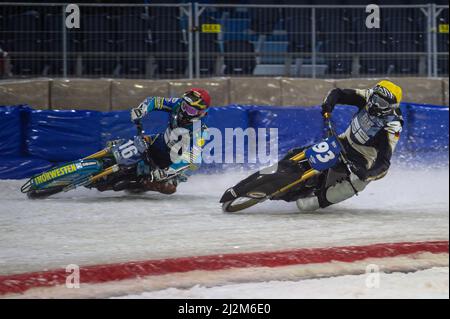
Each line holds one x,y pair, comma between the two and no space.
443,28
211,28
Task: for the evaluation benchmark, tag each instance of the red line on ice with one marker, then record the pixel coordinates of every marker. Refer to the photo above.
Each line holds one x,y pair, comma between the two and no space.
19,283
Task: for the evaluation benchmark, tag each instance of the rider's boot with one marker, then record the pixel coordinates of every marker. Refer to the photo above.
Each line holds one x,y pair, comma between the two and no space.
161,187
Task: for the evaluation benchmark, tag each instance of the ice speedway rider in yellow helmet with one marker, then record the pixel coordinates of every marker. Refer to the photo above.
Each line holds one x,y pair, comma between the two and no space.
369,140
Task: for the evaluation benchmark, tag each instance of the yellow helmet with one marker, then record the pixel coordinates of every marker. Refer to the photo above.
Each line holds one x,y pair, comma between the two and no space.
389,90
384,98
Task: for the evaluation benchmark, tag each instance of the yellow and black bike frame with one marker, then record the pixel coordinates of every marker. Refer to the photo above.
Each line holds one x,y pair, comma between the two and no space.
305,176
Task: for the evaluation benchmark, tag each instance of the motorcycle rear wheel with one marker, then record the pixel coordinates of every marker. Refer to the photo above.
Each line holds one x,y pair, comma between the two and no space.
44,193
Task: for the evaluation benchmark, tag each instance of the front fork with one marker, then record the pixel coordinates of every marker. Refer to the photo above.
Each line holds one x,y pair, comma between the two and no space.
107,171
100,154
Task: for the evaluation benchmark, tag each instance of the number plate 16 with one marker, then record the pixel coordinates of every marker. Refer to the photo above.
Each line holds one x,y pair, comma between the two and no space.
127,153
324,155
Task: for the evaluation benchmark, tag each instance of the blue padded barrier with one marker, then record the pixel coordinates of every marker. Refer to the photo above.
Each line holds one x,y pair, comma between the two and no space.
63,135
58,136
115,125
11,129
296,126
220,118
17,167
428,128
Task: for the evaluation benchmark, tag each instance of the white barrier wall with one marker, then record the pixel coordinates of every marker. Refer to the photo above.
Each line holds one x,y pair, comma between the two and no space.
445,90
32,92
127,93
80,94
219,88
116,94
305,92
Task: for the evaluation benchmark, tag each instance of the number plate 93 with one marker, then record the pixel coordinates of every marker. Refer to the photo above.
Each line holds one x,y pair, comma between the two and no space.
324,155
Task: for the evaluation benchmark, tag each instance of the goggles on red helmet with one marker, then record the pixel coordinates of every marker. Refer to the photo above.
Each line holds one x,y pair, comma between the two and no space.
190,110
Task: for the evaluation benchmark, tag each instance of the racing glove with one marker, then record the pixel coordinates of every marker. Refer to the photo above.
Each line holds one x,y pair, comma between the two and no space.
158,175
326,108
138,112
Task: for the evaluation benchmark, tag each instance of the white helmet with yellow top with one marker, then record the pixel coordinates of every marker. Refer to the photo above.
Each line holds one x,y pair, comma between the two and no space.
384,98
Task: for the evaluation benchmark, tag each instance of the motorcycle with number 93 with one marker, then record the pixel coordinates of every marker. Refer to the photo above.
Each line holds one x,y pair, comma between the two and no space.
298,175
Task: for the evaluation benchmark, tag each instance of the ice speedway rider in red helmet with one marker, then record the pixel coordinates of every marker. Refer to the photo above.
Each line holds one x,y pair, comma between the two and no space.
369,141
192,106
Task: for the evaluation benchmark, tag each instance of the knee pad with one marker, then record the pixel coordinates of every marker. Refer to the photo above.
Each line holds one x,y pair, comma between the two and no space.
308,204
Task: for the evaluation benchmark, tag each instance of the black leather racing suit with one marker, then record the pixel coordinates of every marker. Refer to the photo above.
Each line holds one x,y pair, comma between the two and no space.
369,141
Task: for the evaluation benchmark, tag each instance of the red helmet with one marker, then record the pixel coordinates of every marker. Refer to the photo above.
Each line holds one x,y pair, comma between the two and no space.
204,95
198,98
195,104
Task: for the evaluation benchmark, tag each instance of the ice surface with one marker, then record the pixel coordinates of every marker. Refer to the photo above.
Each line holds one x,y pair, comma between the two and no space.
88,227
430,283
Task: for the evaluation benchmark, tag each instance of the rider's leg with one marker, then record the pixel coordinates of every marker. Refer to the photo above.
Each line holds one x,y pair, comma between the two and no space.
156,157
158,153
332,195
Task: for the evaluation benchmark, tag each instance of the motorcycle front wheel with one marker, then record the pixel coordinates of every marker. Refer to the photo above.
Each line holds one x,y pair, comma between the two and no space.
240,203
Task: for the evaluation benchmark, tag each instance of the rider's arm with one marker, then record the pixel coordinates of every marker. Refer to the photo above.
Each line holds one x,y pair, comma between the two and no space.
160,104
344,96
153,104
388,139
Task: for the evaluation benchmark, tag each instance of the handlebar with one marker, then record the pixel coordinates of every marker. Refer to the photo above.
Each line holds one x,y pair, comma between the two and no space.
139,128
329,125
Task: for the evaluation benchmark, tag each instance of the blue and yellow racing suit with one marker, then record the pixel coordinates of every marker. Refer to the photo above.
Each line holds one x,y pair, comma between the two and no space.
165,146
